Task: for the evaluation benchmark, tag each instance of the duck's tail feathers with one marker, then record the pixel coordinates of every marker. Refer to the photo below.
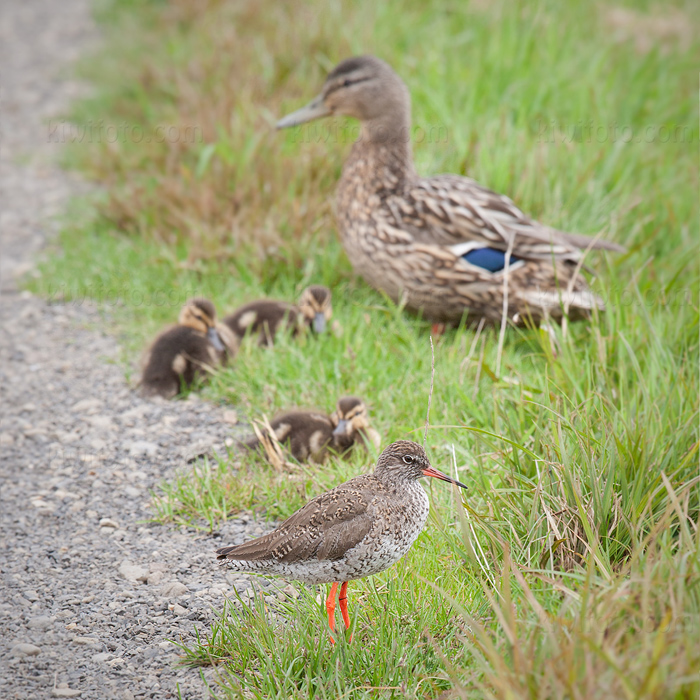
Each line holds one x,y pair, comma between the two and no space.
549,300
578,240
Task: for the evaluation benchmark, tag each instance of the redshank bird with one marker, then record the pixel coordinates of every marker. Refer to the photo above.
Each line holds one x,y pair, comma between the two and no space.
355,530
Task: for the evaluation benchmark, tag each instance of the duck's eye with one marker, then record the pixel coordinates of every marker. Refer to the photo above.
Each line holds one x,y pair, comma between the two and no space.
347,82
408,459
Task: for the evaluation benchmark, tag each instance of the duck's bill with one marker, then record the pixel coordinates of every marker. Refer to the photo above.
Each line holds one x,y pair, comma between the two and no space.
314,110
319,323
341,428
437,474
215,339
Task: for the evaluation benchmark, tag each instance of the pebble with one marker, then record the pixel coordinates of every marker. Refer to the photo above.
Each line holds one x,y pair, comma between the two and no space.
86,406
155,578
133,572
291,591
65,693
90,641
230,416
173,589
41,622
25,649
109,523
100,421
139,448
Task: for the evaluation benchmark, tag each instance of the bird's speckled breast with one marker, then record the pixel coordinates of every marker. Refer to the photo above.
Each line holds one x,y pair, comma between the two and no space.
359,204
391,536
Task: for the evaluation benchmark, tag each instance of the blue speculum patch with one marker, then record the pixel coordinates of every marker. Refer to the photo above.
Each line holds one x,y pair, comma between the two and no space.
488,259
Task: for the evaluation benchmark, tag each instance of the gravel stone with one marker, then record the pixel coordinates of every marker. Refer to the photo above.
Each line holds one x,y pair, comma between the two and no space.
86,640
133,572
86,406
25,649
174,589
231,417
78,468
108,523
41,622
290,591
139,448
155,578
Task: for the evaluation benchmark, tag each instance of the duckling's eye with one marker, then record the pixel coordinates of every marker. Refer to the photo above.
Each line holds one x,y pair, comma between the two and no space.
347,82
408,459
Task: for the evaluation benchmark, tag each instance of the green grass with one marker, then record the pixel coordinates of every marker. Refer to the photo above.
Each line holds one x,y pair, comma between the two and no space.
572,568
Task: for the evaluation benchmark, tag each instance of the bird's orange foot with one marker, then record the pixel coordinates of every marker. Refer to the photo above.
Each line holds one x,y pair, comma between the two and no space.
343,600
438,329
330,609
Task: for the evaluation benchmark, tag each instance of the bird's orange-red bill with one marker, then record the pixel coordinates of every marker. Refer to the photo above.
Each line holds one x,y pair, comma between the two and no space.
437,474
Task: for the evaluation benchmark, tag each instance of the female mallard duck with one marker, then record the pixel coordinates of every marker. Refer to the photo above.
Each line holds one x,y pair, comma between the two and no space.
189,350
266,316
443,245
309,435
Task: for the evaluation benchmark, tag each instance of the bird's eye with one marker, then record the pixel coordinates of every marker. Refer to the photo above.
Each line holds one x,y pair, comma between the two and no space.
347,82
408,459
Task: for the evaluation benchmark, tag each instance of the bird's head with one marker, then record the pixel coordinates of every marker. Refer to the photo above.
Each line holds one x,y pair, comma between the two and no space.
404,460
315,305
200,315
363,87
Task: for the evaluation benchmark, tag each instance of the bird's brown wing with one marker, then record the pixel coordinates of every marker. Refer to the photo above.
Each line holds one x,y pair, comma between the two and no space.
324,529
451,210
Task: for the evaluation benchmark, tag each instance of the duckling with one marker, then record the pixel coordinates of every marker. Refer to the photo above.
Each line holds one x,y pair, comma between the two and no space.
309,434
191,349
265,317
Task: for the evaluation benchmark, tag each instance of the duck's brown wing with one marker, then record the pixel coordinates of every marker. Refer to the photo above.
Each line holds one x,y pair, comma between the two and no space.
324,529
451,210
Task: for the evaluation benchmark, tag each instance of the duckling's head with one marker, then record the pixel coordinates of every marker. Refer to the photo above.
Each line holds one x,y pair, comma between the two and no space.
315,306
200,315
350,416
364,87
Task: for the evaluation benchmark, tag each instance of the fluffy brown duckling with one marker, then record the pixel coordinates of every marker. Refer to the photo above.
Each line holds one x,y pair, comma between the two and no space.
309,435
266,317
189,350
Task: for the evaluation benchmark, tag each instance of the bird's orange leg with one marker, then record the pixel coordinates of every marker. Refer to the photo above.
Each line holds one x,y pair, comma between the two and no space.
330,609
343,600
438,329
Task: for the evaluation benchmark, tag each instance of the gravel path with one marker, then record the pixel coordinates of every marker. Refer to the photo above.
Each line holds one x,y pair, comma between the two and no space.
91,593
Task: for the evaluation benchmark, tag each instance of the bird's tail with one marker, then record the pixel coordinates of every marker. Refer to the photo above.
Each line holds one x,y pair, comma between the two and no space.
578,240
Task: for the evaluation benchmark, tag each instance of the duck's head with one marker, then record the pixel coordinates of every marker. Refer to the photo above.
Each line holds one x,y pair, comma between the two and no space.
364,87
350,416
200,315
315,306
